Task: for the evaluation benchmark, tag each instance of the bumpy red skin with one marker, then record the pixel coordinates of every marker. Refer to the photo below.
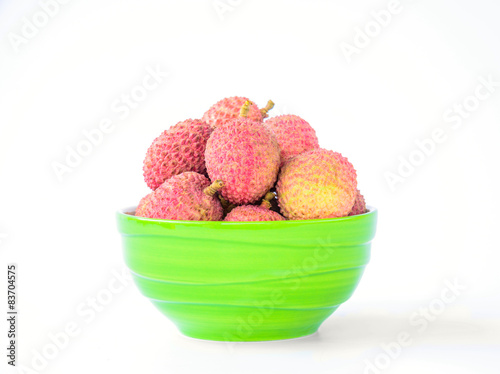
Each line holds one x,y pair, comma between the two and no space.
317,184
294,135
228,109
359,205
182,198
143,207
245,155
180,148
252,213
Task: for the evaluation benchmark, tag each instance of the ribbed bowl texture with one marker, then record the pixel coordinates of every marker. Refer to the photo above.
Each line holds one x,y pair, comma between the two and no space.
247,281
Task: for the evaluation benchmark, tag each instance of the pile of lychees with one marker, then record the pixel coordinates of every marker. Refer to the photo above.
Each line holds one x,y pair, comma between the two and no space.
236,165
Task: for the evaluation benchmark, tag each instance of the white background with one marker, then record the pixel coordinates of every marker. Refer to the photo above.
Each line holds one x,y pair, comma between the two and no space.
439,225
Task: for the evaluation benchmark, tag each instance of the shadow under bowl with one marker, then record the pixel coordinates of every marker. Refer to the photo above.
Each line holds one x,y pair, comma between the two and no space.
247,281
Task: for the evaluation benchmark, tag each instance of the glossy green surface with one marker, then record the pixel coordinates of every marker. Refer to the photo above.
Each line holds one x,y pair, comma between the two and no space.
247,281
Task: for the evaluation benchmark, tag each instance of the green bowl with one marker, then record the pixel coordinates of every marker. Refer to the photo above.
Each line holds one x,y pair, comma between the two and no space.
247,281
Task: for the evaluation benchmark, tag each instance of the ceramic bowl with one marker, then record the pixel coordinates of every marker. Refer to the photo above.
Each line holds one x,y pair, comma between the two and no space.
247,281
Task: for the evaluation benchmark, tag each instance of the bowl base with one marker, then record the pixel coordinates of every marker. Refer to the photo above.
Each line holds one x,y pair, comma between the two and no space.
251,341
244,324
256,336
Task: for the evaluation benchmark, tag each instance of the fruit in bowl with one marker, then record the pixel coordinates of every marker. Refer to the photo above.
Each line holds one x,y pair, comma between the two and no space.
263,246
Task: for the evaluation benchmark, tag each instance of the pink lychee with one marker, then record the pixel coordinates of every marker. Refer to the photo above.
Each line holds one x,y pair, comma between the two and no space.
359,206
317,184
143,209
187,196
252,213
179,149
229,108
245,155
294,135
255,213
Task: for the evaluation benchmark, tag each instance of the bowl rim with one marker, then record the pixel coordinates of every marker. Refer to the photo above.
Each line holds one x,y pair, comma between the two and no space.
126,212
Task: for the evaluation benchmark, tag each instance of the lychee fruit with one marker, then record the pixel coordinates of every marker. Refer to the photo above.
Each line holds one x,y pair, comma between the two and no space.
245,155
229,108
179,149
294,135
359,206
317,184
187,196
255,213
143,209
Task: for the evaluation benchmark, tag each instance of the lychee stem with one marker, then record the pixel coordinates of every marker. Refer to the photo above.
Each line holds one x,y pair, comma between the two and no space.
213,188
266,201
245,108
267,108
